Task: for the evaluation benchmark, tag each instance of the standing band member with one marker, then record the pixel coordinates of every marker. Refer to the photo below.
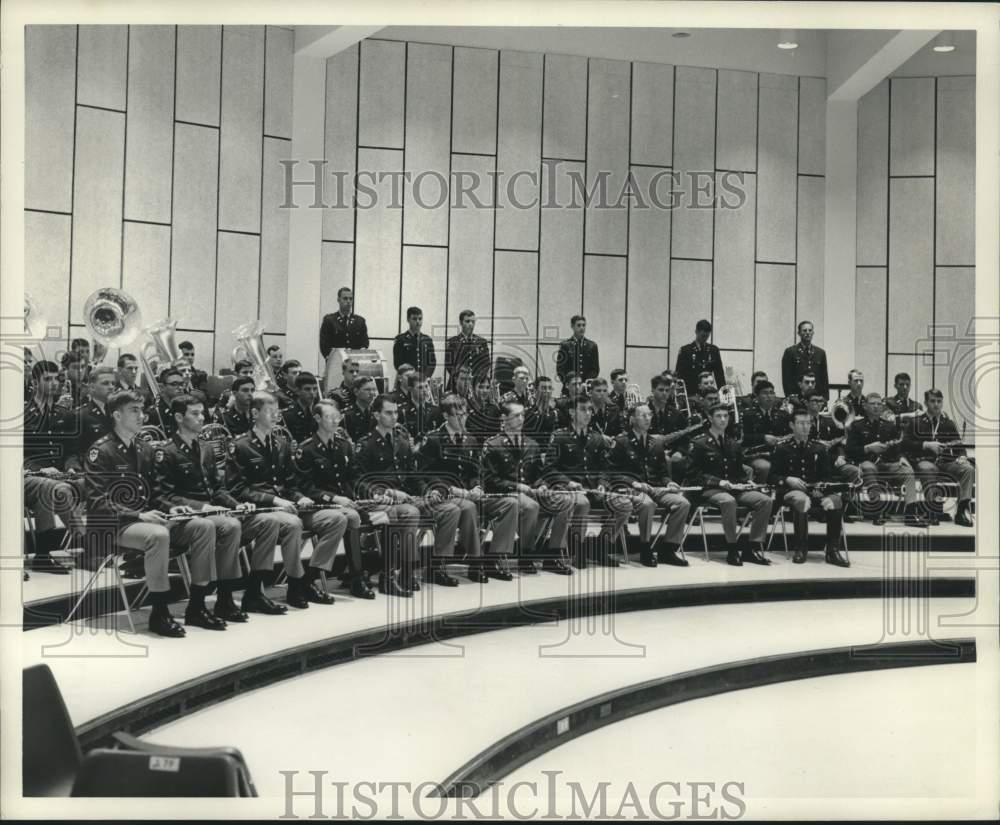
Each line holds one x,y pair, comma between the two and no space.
413,347
797,466
341,330
578,353
802,358
466,350
699,356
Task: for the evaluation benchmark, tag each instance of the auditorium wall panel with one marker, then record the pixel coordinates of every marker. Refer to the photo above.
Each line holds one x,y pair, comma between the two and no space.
272,309
382,100
873,175
774,314
648,264
425,277
736,131
955,171
278,46
911,126
560,293
643,363
607,157
564,124
46,271
604,306
869,347
690,300
652,114
911,262
777,164
337,267
515,305
341,145
809,270
235,290
474,127
733,286
694,162
199,73
812,125
470,263
102,62
146,268
954,310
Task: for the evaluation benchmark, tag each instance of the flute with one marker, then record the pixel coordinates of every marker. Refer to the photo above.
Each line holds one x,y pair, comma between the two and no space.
57,476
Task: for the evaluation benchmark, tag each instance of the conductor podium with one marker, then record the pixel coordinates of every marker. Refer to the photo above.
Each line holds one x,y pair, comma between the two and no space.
371,364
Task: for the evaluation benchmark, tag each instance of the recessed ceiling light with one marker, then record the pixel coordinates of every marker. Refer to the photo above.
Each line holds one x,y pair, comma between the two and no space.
945,43
787,40
681,34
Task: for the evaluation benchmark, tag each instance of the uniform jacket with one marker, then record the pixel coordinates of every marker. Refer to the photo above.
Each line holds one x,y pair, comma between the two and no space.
712,462
121,483
343,395
922,428
158,414
505,465
575,457
757,423
608,420
809,461
49,436
898,407
483,421
90,423
632,461
460,351
233,420
694,359
325,469
443,462
300,422
825,430
579,355
261,473
191,476
419,419
381,464
863,432
358,422
796,361
540,424
416,350
337,332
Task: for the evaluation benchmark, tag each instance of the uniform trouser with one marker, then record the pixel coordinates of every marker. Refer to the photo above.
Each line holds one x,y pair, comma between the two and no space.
468,527
225,563
759,504
898,472
352,541
962,474
761,468
401,534
268,529
515,513
444,516
569,509
619,508
196,536
47,498
328,528
801,503
677,509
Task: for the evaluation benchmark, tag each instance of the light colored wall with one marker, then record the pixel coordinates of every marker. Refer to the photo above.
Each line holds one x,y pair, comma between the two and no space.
152,165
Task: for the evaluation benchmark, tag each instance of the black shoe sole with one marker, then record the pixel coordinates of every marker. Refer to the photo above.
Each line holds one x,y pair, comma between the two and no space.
204,625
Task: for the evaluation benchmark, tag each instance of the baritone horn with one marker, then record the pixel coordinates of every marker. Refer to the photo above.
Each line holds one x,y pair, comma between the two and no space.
842,414
250,336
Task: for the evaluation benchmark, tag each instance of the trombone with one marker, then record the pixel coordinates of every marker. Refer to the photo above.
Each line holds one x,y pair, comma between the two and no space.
681,393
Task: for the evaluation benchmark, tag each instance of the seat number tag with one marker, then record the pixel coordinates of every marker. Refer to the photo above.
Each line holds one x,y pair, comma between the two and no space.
170,764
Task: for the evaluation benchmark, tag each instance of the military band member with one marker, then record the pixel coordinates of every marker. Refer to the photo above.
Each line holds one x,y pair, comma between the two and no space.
644,466
747,401
796,466
49,439
127,377
619,385
764,424
266,478
413,347
76,366
285,378
91,420
607,416
578,353
464,378
927,443
805,388
275,358
400,388
237,415
699,356
717,463
573,388
359,419
665,416
343,394
466,350
189,476
341,330
520,393
823,430
541,419
243,369
901,403
418,413
125,508
856,392
199,378
299,416
802,358
484,414
873,445
172,384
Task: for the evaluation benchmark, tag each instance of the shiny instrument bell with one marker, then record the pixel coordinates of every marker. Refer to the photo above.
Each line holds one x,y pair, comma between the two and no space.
250,336
112,316
35,324
842,414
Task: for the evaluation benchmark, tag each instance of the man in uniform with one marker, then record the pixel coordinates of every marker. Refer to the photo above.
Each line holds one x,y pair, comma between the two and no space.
747,401
92,420
644,467
275,357
717,462
484,414
400,386
856,392
764,424
800,398
901,403
341,330
344,393
927,443
578,353
158,413
699,356
418,413
619,385
795,467
464,380
542,418
299,416
266,477
413,347
199,378
466,350
138,520
521,378
237,417
607,416
359,419
802,358
127,377
573,388
285,378
77,367
823,430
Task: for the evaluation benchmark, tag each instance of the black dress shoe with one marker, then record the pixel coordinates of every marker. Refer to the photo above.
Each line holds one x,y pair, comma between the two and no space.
648,558
296,597
390,586
670,557
963,520
477,574
411,583
733,558
580,561
878,521
495,571
163,624
361,589
47,564
202,618
756,556
557,566
944,517
441,577
262,604
527,566
833,557
915,520
799,556
229,612
316,594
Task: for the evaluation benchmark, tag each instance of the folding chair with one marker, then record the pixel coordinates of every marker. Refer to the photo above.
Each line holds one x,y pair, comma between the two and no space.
710,510
779,518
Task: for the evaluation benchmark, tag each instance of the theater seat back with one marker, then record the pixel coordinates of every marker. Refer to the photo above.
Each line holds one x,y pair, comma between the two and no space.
115,773
51,752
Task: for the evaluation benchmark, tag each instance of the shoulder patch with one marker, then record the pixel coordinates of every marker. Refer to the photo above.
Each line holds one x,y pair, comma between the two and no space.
232,447
298,453
158,456
92,455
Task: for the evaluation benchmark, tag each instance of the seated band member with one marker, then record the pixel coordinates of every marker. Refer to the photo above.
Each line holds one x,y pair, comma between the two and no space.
542,418
266,477
619,385
449,461
795,467
237,415
172,384
463,382
199,378
125,508
49,440
573,388
359,418
189,476
400,389
804,389
324,471
644,465
91,420
607,417
343,393
285,377
418,413
484,414
927,443
764,424
522,392
76,366
717,463
873,444
746,401
856,393
298,417
512,464
386,470
901,402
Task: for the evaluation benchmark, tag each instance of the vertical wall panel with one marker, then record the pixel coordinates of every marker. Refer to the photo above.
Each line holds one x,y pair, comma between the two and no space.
46,267
652,113
694,161
236,289
918,366
49,83
196,162
146,270
812,125
774,309
475,122
809,271
740,364
956,171
425,277
561,267
604,306
337,269
340,141
548,354
274,240
873,175
955,307
565,113
607,154
470,265
97,217
428,113
649,259
204,350
149,123
199,66
377,250
515,305
776,177
643,363
240,133
519,150
737,128
911,142
869,342
278,82
101,66
690,300
911,261
734,269
381,106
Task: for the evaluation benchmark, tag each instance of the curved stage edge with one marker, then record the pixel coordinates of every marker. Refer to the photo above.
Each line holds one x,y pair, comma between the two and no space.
559,727
186,697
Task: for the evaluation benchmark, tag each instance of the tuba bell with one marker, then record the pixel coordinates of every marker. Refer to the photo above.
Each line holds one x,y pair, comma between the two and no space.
112,317
250,336
842,414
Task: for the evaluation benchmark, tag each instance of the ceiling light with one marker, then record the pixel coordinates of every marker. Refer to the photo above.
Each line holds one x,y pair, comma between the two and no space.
681,34
945,43
787,40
